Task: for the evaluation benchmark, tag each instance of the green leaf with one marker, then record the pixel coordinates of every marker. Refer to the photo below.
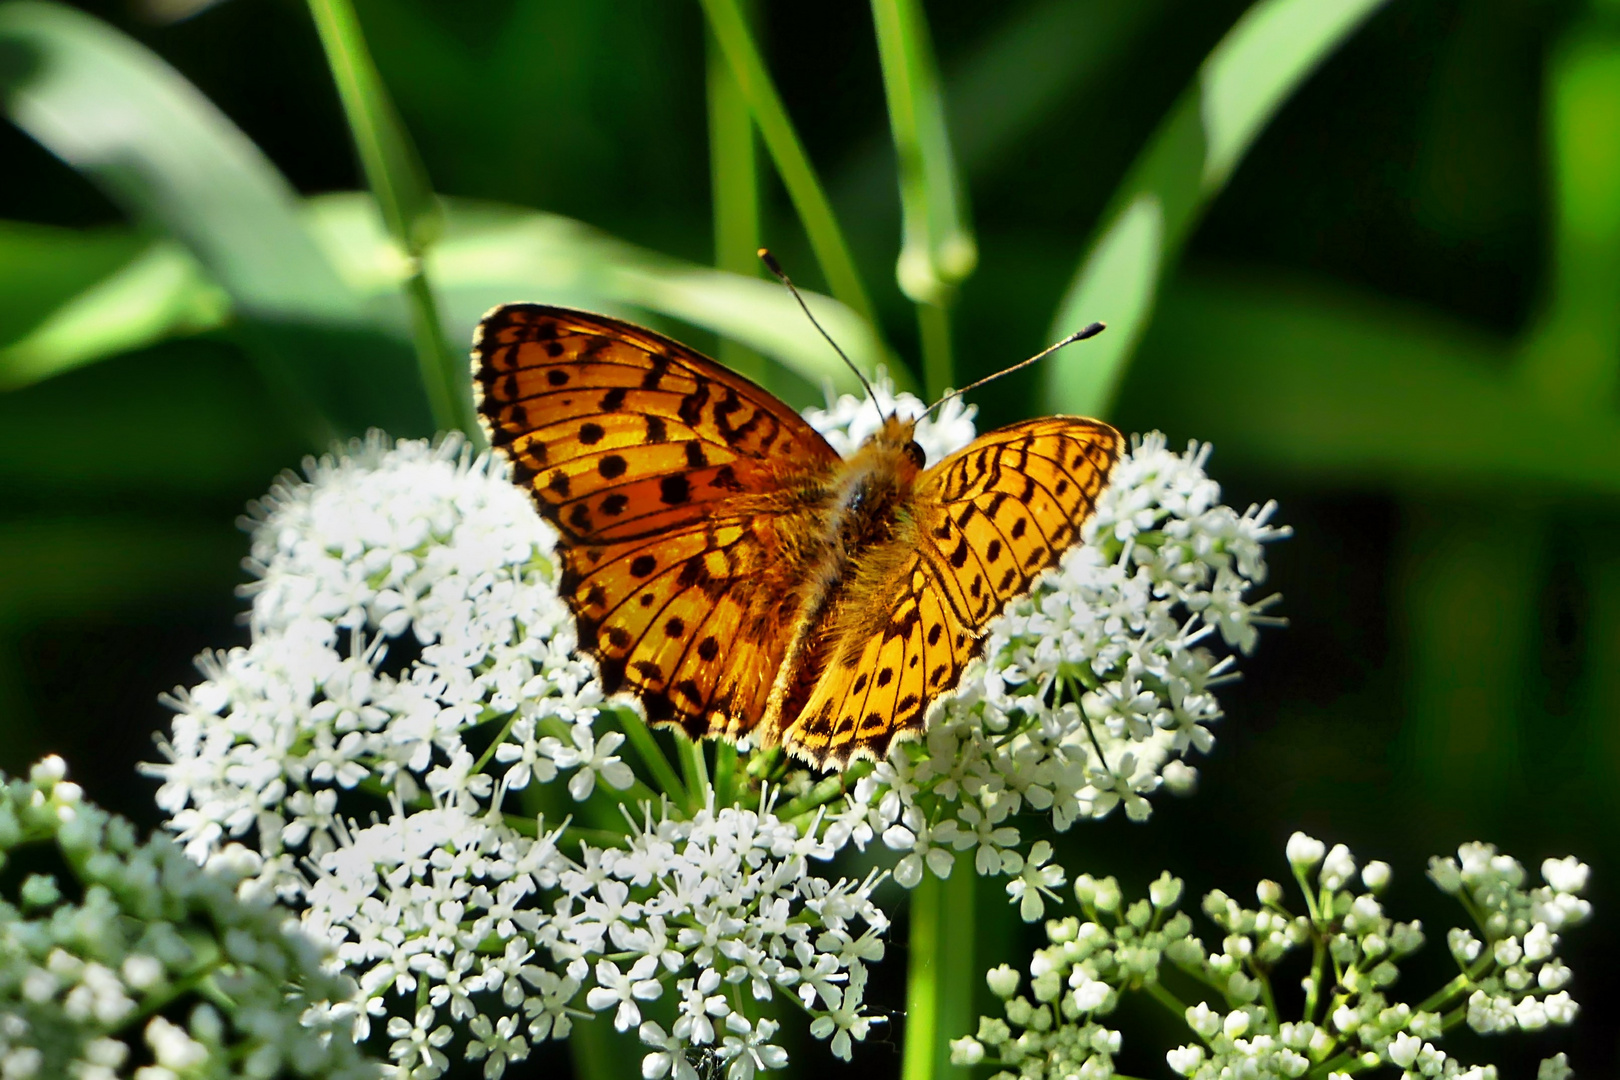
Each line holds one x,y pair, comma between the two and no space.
493,254
1573,358
118,114
1240,86
161,293
1337,387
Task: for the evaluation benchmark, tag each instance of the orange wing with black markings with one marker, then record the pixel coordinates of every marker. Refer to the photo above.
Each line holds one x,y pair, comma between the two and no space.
662,471
984,522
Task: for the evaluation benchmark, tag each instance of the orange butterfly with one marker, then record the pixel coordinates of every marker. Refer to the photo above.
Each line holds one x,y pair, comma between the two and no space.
728,565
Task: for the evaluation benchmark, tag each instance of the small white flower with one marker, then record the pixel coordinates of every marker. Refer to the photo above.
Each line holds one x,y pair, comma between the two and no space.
1035,879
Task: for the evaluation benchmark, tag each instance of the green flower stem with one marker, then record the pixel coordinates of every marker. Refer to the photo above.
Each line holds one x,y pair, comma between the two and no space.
825,791
695,769
404,195
940,977
725,772
937,249
641,737
1176,1007
734,189
730,30
934,330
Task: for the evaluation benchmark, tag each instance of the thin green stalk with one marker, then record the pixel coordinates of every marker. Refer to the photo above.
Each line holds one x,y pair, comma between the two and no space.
404,195
825,791
787,152
934,330
695,769
937,249
734,188
641,737
939,974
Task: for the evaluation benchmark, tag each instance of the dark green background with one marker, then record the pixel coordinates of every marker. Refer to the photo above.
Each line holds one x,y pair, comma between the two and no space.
1452,667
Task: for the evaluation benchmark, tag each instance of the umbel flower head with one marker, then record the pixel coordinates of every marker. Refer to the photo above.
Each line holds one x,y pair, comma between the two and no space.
115,954
426,766
1509,978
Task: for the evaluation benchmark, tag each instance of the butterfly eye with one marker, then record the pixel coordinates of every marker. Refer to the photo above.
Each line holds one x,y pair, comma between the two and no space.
915,453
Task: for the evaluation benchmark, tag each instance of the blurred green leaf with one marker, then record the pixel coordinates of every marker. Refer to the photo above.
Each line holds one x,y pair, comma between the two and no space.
491,254
787,151
1573,360
160,293
1240,86
526,254
43,267
1339,387
400,184
117,113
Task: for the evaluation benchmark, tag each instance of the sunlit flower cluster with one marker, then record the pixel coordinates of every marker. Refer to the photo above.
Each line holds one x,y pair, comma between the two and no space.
116,955
1094,687
1510,974
421,813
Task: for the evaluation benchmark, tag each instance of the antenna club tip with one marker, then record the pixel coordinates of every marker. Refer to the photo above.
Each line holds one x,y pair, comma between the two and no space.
769,260
1091,331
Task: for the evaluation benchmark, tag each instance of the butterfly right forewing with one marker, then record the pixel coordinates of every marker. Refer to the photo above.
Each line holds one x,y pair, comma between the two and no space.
982,524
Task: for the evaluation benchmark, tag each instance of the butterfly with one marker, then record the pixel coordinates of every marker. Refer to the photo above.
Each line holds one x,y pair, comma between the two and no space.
726,564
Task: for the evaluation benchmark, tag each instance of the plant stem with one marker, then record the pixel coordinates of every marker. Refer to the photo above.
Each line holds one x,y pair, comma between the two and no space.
939,977
825,790
787,152
937,249
734,189
934,326
404,195
641,737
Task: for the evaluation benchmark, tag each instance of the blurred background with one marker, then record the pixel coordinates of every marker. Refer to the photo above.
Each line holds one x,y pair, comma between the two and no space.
1400,318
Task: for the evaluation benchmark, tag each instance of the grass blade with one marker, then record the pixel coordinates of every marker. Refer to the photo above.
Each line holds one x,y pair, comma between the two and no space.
937,249
726,20
1240,86
404,194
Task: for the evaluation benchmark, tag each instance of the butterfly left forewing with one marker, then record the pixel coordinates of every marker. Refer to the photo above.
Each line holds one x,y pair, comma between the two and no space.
983,523
659,468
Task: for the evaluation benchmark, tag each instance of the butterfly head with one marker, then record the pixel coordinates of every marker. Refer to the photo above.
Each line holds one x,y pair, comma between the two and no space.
895,445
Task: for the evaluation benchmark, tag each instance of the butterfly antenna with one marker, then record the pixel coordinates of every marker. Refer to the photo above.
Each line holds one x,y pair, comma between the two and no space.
1079,335
775,267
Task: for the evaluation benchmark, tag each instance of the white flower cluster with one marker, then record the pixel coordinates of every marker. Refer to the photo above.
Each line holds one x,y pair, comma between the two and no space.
1510,979
111,966
1094,686
1519,980
456,902
849,421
